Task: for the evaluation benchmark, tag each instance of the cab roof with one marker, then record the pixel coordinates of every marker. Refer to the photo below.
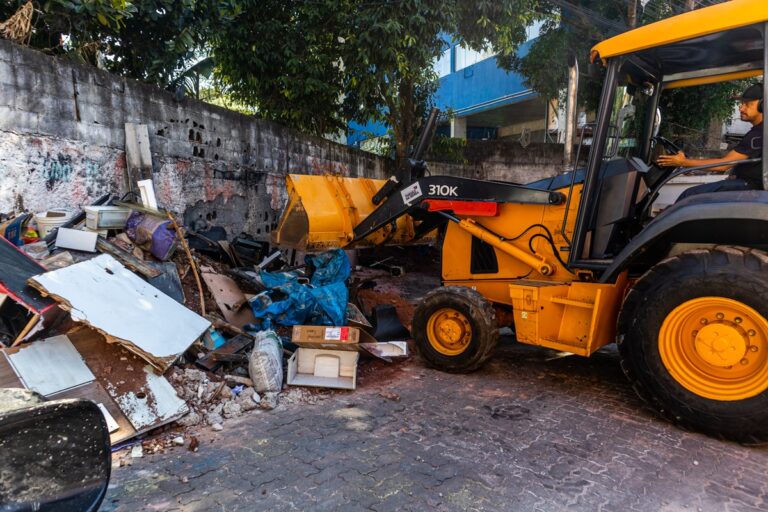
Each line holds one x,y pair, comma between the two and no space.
689,25
717,43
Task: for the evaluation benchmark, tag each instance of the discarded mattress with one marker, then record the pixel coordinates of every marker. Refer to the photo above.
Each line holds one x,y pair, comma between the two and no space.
113,300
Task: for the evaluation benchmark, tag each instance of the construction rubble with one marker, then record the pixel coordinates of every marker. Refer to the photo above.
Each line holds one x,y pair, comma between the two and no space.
167,329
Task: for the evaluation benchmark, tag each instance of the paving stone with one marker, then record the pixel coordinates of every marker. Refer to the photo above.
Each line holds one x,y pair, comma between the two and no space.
523,433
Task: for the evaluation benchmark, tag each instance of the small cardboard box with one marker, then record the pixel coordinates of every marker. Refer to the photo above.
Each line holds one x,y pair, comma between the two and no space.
323,368
320,336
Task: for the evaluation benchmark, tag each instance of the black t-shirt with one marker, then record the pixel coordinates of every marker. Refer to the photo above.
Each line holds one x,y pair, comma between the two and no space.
752,146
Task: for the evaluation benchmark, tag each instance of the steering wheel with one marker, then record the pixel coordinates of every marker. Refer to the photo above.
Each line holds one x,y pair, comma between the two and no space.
668,145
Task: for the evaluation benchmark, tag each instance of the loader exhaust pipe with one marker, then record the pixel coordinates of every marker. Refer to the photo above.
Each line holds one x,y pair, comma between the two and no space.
570,109
416,160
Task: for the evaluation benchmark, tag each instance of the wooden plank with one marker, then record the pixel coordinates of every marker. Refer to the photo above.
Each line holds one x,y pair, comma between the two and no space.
127,259
27,329
8,377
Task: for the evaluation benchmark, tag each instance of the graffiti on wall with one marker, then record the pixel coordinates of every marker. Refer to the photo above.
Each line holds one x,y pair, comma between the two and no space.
62,169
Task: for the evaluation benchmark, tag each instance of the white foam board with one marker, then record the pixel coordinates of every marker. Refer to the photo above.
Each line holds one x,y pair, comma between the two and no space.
50,366
104,294
76,240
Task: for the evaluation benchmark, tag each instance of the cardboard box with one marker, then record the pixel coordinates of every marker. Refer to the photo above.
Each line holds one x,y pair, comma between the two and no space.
324,337
323,368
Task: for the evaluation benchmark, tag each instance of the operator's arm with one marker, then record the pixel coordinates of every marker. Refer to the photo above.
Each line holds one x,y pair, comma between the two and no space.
680,160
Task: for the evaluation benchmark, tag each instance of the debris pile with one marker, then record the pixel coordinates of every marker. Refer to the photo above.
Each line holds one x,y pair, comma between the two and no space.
118,304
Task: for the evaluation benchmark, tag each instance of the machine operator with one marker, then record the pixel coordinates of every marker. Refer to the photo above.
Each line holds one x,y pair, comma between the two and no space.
744,177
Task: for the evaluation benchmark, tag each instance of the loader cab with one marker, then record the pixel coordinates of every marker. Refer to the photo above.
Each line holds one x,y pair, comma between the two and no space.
638,66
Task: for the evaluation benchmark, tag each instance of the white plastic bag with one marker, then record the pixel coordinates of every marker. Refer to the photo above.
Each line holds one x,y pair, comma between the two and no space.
265,364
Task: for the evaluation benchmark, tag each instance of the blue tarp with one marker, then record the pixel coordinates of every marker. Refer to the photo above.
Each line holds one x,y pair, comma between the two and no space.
321,302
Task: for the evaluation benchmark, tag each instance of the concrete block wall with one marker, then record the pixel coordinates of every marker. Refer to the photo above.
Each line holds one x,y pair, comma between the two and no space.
62,143
507,160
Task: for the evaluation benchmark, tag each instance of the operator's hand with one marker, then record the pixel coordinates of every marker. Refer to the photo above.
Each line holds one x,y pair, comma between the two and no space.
676,160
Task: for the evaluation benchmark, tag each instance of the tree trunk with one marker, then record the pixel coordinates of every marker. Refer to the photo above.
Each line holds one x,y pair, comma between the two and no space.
403,124
690,5
632,14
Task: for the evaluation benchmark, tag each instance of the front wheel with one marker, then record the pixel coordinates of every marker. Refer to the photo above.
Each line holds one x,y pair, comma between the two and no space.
693,341
455,329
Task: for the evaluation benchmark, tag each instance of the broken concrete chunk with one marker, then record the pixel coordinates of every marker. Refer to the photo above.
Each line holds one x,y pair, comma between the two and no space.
269,400
190,420
232,410
217,427
213,418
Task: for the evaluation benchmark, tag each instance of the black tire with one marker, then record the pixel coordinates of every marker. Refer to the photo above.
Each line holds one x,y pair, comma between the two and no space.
480,316
723,272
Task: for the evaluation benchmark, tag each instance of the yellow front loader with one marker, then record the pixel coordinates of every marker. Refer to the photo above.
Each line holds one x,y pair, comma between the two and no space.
577,261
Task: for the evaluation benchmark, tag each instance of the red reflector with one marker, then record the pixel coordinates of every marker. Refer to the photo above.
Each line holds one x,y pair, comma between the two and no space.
476,208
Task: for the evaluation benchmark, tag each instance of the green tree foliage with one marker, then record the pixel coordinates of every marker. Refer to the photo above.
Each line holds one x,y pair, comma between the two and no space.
317,65
687,112
150,40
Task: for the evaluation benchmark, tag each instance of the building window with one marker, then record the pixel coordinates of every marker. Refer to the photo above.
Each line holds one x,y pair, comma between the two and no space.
466,57
443,64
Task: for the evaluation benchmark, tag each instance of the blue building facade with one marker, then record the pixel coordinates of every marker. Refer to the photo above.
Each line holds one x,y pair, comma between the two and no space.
485,101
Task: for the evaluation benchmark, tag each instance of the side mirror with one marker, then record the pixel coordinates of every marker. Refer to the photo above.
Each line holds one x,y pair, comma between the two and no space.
55,455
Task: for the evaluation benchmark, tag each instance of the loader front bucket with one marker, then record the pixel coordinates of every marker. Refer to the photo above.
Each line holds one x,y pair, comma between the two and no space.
322,212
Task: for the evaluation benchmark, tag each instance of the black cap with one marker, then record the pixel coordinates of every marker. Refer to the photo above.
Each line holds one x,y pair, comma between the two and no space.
753,92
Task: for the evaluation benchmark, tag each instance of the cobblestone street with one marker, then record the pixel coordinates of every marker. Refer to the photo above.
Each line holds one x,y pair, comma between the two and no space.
530,431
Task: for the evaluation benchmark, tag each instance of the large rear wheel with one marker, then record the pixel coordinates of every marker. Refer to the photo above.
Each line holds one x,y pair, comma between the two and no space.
455,329
693,340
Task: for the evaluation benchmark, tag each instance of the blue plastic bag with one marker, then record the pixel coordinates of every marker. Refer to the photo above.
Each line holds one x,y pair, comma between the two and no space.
322,302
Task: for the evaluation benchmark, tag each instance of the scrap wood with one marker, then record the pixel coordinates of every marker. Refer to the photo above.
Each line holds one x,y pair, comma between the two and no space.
230,358
160,213
111,299
233,346
245,381
184,244
27,330
126,258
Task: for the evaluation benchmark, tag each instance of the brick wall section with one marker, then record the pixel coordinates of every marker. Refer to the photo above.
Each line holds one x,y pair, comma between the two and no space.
62,144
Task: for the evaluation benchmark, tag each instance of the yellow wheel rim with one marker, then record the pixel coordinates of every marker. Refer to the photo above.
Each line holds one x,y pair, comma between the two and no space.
716,348
449,331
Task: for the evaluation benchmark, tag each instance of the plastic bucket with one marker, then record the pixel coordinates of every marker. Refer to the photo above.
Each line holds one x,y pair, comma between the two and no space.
46,221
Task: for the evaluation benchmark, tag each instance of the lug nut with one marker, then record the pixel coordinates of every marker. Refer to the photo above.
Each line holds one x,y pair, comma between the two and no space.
737,319
753,348
751,332
744,361
720,316
695,333
703,321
